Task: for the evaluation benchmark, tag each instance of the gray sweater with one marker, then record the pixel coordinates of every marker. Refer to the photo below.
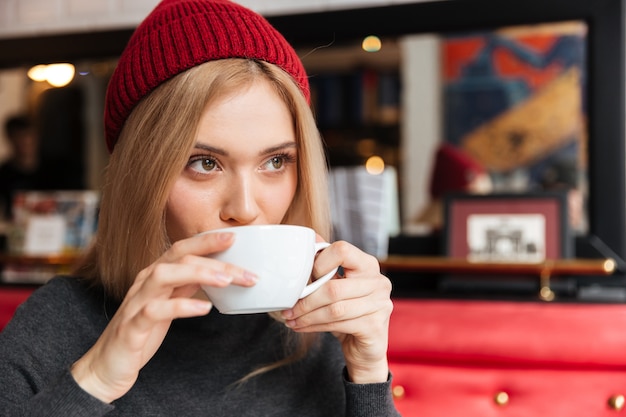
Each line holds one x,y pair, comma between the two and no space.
194,373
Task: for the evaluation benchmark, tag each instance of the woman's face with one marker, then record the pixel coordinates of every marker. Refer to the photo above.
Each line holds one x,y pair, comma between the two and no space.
242,169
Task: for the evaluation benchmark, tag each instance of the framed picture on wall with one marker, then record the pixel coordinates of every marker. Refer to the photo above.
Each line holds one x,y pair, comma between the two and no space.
521,228
53,222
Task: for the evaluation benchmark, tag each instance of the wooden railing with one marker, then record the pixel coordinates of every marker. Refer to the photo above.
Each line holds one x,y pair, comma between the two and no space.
399,263
57,259
34,270
543,270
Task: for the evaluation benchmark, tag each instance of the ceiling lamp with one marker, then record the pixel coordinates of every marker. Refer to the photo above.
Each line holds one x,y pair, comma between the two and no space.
371,44
375,165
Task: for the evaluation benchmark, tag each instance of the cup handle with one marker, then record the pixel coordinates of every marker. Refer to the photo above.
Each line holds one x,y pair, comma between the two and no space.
320,281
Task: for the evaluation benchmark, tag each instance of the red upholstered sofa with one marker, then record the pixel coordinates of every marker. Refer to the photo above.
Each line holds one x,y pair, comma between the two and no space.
493,358
10,298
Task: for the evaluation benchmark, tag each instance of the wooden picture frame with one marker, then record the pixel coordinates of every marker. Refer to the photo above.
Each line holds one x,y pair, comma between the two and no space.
512,228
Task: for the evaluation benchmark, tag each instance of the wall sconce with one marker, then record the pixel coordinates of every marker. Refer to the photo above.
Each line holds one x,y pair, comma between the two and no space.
57,75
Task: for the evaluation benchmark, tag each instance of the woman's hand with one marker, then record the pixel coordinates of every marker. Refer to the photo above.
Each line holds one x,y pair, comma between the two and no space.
161,293
356,309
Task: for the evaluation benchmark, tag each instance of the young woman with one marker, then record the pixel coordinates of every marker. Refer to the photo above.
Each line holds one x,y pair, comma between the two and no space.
208,125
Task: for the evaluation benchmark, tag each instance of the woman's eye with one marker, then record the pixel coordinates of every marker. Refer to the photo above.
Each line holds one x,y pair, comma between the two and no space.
208,164
277,162
203,164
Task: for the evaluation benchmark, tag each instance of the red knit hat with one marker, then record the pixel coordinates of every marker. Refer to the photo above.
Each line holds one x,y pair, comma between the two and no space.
453,171
180,34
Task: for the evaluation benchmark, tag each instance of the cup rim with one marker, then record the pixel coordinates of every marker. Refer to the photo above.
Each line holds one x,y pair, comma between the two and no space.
255,226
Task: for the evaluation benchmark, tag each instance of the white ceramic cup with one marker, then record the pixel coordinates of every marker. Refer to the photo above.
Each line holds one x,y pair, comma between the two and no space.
282,257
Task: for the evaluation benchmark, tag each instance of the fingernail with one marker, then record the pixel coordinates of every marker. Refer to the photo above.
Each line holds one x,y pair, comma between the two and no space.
250,277
290,323
287,314
225,236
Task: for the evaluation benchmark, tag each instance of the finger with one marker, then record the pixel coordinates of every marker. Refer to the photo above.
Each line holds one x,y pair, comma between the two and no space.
309,312
140,327
375,287
353,261
191,270
227,272
162,279
195,250
202,244
368,326
330,314
329,293
168,310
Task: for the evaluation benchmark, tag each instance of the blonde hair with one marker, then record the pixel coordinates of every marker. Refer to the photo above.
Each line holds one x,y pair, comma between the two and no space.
152,152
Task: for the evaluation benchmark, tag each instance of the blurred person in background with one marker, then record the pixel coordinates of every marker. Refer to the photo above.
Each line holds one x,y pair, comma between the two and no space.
22,171
454,171
27,169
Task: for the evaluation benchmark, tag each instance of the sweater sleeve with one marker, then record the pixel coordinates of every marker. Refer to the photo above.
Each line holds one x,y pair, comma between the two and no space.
64,398
369,400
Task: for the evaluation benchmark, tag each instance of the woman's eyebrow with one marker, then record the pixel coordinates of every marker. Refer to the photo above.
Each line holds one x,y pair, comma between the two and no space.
279,147
211,149
266,151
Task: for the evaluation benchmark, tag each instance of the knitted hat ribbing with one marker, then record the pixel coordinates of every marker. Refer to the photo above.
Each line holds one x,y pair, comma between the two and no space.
180,34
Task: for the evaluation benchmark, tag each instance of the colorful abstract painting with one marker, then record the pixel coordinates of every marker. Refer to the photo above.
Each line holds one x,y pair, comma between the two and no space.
515,98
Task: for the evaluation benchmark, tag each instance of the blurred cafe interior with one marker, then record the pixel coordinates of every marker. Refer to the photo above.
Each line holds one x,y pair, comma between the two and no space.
415,111
475,147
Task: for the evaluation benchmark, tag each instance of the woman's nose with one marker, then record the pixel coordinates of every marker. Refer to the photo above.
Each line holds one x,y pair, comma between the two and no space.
240,206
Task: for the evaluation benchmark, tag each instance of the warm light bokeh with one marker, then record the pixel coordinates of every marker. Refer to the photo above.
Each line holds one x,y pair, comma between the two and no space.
57,75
